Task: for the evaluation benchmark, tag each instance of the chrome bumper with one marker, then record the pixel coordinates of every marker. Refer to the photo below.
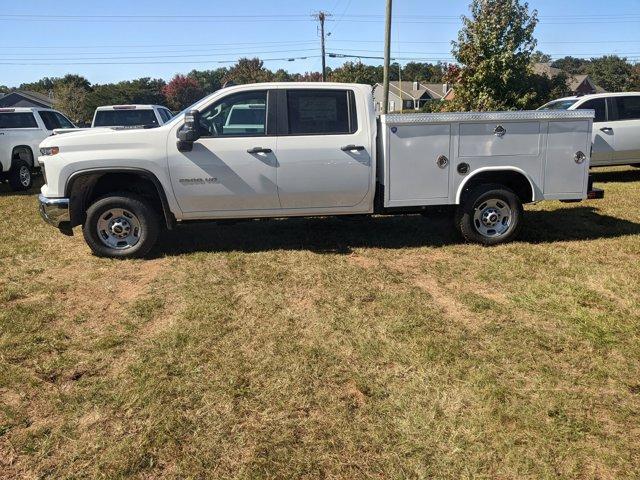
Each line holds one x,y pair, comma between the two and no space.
54,211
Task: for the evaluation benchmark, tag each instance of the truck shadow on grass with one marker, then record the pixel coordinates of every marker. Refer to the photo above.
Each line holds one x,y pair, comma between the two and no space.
342,235
617,176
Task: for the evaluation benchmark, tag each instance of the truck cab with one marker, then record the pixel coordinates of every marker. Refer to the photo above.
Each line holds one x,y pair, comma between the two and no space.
311,149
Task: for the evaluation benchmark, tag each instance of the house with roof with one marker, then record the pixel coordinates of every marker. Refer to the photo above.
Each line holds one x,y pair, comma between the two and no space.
25,98
577,84
409,95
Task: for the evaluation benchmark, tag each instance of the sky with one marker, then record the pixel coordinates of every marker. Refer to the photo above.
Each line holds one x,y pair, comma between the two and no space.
124,39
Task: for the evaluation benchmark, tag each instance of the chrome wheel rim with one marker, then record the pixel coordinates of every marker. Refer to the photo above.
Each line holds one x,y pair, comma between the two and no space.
119,229
492,218
25,176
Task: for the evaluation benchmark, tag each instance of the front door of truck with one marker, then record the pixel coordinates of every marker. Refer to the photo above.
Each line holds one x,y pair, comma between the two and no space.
324,149
232,167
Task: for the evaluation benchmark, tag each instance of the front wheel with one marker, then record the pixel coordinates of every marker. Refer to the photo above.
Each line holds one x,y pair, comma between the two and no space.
490,214
121,225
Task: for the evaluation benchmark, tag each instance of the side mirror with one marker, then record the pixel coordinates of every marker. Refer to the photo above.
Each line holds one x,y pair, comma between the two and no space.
190,132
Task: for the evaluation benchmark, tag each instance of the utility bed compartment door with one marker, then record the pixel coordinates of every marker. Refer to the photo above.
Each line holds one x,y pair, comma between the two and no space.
490,139
563,175
415,176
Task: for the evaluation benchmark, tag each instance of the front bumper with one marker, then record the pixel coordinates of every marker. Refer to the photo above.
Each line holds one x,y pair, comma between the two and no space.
54,211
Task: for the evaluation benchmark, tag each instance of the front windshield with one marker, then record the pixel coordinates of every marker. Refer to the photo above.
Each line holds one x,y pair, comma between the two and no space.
558,105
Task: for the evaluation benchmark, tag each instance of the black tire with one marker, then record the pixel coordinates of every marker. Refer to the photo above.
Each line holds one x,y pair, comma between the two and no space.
472,226
20,176
144,216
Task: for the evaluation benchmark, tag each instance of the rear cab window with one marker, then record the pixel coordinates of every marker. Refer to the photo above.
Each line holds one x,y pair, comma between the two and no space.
126,118
321,112
17,120
628,107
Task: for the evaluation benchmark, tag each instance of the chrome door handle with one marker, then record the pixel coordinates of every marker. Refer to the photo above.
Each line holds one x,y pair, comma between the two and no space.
259,150
348,148
499,131
606,129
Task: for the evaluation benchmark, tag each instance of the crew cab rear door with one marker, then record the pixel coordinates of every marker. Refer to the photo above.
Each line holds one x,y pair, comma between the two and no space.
324,149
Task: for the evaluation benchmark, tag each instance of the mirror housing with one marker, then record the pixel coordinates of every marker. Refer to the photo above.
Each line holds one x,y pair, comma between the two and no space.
190,132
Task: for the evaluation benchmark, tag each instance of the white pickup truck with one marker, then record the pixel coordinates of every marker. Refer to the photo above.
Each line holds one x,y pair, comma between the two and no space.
124,117
21,131
309,149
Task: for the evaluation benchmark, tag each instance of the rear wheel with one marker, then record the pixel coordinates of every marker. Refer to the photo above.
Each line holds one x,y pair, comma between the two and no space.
121,225
20,177
490,214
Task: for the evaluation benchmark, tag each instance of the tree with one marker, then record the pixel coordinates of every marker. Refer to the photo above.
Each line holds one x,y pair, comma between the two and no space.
356,72
182,91
49,84
309,76
209,80
71,99
494,49
571,65
248,70
610,72
540,57
424,72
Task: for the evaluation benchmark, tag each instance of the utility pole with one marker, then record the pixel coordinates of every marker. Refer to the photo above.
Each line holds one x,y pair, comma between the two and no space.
321,17
387,58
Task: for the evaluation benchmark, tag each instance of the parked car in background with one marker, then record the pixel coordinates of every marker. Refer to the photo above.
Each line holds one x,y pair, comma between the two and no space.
131,116
616,127
21,131
307,149
126,116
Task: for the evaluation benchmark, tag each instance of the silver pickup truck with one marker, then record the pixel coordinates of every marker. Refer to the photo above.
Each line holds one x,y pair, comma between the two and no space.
310,149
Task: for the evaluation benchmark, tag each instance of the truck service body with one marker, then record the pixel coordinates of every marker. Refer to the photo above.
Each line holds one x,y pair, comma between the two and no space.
309,149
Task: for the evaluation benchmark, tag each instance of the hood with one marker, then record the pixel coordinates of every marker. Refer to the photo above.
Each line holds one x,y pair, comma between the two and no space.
104,138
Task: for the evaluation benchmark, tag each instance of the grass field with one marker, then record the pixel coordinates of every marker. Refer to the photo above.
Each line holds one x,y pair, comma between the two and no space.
326,348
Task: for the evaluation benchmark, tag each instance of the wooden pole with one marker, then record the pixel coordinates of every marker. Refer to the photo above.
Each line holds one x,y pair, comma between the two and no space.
387,59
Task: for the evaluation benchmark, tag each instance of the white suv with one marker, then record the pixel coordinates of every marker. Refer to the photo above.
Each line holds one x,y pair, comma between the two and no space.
616,127
21,131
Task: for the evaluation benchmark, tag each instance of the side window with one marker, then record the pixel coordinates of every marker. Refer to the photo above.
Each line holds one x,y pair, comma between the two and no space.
242,114
17,120
628,108
63,121
49,119
597,104
313,112
167,114
163,114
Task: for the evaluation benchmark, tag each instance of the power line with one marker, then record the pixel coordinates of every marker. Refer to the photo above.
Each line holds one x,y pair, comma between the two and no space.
127,57
285,59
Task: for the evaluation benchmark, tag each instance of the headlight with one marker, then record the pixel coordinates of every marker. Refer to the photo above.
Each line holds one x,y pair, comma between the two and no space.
46,151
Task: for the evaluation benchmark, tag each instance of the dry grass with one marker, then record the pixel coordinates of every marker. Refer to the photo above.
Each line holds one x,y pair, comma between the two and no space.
326,348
